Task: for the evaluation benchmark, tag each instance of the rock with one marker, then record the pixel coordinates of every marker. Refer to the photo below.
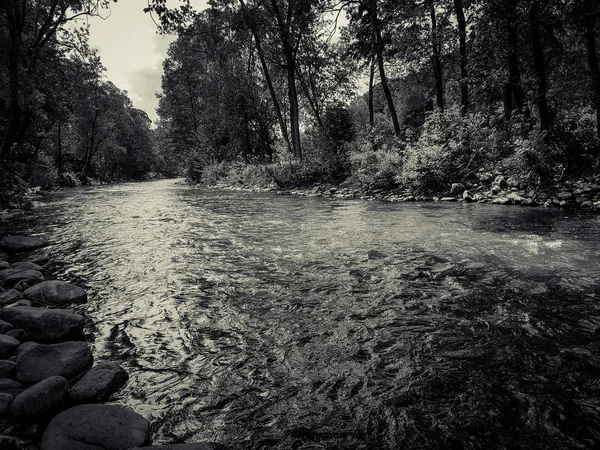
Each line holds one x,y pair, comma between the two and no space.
448,199
18,334
468,197
496,189
41,398
7,384
40,361
44,324
587,189
96,427
17,244
587,204
56,292
7,368
194,446
16,276
5,327
5,402
99,383
4,265
38,259
457,188
8,346
515,198
9,443
26,265
565,195
10,296
501,201
528,202
21,302
486,178
501,182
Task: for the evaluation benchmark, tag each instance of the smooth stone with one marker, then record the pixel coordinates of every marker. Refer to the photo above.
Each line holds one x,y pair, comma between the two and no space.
99,383
17,244
40,399
10,296
42,324
26,265
515,198
56,293
96,427
191,446
7,383
30,277
5,402
7,368
18,334
565,195
8,346
5,327
40,361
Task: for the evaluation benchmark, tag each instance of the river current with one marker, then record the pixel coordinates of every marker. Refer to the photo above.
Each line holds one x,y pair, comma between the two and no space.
264,321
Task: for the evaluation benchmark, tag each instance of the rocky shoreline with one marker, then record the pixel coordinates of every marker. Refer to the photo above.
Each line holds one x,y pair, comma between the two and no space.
485,188
52,395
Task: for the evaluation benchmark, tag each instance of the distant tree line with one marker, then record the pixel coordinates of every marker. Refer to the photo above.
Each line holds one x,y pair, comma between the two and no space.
451,87
61,121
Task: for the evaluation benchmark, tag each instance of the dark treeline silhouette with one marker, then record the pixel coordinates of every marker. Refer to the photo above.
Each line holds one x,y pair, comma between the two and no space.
265,90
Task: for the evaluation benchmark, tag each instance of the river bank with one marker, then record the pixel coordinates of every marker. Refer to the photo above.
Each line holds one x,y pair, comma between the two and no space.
52,395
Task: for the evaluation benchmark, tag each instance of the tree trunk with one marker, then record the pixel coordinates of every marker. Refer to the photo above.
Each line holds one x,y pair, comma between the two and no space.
514,73
379,46
592,56
371,79
540,67
462,37
15,115
435,57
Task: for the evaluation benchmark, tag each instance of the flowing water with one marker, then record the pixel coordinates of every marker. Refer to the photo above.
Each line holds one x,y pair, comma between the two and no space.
266,321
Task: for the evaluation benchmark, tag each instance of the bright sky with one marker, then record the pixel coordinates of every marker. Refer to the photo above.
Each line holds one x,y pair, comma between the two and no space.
132,51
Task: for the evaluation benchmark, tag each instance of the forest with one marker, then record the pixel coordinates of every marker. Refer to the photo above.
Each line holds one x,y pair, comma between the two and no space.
287,93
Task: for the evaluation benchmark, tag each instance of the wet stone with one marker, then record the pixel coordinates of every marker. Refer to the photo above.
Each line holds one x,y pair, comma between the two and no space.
17,244
96,427
25,277
7,368
40,399
8,346
26,265
40,361
56,292
44,324
99,383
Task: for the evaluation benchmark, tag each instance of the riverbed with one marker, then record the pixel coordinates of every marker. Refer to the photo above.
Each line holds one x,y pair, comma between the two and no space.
274,321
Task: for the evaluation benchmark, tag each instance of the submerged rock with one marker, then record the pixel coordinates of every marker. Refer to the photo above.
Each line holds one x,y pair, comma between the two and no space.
96,427
42,324
17,244
40,361
99,383
56,292
40,399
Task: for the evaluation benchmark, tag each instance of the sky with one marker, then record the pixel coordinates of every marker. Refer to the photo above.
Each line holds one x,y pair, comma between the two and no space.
132,51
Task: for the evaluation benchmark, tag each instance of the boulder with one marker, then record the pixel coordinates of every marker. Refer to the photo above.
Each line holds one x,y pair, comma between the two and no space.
457,188
10,296
96,427
194,446
26,265
99,383
40,399
40,361
44,325
56,292
17,244
501,182
468,197
515,198
7,368
24,277
496,189
5,402
5,327
8,346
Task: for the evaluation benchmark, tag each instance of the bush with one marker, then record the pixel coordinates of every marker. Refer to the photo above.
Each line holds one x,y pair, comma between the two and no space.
377,164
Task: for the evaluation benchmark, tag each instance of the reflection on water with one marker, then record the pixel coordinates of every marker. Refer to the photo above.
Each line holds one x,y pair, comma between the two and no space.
263,321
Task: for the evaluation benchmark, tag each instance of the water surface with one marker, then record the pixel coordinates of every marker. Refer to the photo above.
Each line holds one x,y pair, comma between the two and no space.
264,321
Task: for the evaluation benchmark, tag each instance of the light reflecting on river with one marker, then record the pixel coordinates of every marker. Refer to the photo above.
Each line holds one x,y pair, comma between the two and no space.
265,321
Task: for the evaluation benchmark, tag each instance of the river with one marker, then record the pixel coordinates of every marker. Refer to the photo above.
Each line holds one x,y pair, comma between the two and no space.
266,321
